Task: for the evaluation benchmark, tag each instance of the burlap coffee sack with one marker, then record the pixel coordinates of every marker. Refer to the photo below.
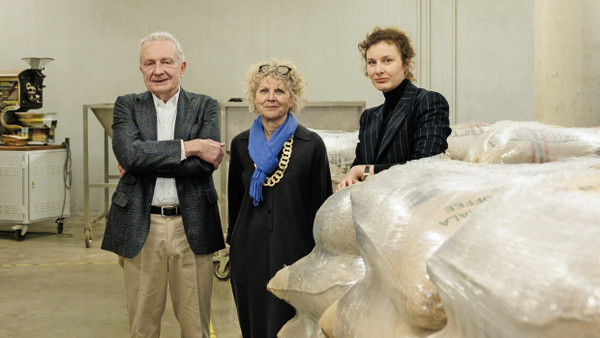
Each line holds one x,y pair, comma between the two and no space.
463,136
527,264
532,142
319,279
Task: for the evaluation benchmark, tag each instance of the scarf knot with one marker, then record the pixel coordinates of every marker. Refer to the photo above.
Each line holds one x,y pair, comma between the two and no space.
264,153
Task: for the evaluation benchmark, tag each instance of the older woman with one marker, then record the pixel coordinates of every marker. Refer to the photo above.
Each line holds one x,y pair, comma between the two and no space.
412,123
278,178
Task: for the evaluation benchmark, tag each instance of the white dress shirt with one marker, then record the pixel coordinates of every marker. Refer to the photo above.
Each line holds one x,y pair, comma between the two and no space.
165,191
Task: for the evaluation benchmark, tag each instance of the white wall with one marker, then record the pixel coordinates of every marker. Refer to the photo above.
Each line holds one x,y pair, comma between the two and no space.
95,45
496,60
567,48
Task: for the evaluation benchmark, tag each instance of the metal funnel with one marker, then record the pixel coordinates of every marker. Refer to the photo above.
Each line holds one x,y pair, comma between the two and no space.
38,63
104,114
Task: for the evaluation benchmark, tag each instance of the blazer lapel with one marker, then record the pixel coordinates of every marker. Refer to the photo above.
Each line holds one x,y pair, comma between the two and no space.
372,134
185,115
146,116
398,116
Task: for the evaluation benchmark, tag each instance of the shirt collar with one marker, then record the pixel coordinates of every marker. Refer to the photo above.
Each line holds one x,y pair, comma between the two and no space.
171,102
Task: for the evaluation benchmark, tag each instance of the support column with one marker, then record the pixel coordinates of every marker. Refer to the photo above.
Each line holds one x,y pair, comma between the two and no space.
567,70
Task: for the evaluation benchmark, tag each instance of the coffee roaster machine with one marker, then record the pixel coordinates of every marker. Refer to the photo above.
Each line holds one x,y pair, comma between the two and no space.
22,90
35,172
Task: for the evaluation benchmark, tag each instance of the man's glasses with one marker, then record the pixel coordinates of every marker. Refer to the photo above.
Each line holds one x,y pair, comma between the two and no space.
281,70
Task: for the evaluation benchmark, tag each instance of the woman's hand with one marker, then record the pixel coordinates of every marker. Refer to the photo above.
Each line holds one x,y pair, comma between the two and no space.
353,176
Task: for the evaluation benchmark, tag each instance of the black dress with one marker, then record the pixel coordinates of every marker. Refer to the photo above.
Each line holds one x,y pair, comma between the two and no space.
275,233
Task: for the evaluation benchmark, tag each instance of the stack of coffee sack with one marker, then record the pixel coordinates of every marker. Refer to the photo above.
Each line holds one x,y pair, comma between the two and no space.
317,280
532,142
526,265
401,217
340,152
368,274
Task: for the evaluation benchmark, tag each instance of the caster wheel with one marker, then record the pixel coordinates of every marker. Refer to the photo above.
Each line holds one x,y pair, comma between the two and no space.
222,270
88,238
19,236
59,228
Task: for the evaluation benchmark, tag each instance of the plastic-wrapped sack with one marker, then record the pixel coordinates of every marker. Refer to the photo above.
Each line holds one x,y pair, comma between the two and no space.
320,278
532,142
402,215
341,146
526,266
328,321
463,137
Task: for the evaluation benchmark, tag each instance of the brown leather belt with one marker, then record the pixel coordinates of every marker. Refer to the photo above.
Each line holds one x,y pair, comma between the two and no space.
166,211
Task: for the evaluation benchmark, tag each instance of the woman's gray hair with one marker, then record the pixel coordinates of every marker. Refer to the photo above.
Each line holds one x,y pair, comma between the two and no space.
163,36
294,81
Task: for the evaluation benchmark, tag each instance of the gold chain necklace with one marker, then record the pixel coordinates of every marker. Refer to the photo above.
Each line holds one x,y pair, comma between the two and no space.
283,164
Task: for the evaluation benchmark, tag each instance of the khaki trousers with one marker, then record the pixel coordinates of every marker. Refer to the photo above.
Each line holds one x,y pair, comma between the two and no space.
166,259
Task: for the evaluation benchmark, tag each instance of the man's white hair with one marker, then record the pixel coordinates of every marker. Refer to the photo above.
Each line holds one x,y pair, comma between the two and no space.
163,36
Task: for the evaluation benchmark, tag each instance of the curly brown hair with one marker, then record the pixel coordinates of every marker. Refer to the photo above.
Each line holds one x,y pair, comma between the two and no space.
391,35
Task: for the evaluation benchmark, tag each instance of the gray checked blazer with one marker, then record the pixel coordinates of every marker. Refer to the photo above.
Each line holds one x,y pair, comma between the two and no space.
418,127
144,158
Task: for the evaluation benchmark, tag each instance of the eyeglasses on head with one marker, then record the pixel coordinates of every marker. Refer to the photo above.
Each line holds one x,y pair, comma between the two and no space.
281,69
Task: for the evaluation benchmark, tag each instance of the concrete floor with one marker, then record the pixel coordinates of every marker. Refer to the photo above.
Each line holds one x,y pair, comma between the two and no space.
53,286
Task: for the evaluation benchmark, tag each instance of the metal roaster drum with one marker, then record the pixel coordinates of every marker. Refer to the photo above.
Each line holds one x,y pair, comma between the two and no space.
20,91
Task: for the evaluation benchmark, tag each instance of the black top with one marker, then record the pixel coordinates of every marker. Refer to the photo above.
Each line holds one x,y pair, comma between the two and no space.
392,98
275,233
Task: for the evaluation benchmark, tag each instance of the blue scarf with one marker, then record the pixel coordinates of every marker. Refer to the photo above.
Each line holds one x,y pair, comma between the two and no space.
264,153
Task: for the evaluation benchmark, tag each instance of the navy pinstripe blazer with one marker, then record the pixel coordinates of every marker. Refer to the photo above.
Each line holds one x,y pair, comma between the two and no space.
144,158
418,127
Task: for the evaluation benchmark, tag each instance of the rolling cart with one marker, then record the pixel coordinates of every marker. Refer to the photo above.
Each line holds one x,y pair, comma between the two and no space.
35,182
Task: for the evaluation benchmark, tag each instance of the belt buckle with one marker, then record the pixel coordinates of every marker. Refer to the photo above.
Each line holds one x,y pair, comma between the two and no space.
168,207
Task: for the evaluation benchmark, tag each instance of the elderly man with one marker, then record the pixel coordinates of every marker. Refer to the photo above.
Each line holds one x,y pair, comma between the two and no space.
164,219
